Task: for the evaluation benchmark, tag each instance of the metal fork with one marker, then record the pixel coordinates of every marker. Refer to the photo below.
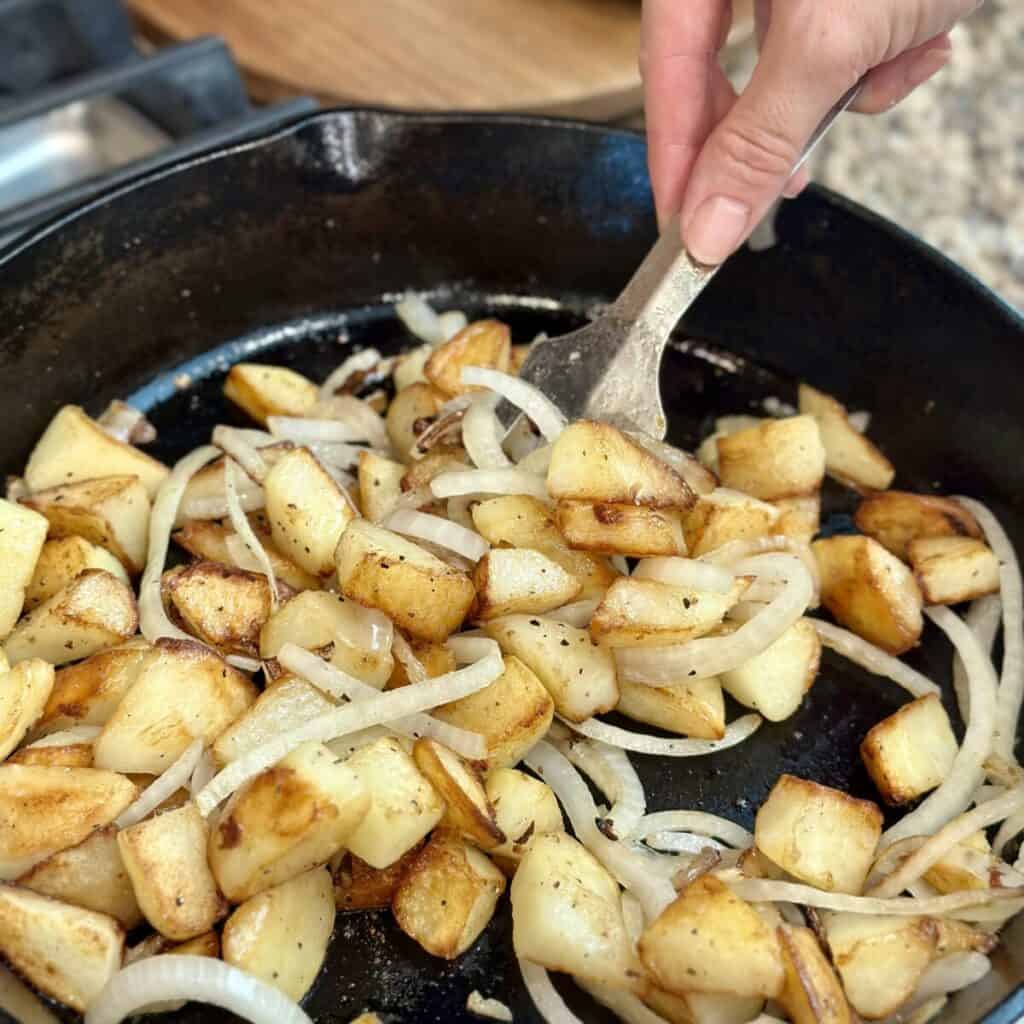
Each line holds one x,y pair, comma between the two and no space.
608,370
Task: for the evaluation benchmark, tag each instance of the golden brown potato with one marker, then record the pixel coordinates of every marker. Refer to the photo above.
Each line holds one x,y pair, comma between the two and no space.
436,659
509,580
24,691
702,1007
820,835
409,368
870,591
69,749
911,751
61,561
692,707
281,934
67,952
799,518
621,529
421,594
380,484
414,405
442,458
358,886
812,993
483,343
22,534
723,516
776,459
264,391
579,674
709,940
524,807
289,819
74,447
448,896
598,462
953,569
895,518
44,810
207,487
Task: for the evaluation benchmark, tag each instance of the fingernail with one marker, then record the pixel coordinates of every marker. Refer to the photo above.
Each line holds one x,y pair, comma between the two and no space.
716,228
927,64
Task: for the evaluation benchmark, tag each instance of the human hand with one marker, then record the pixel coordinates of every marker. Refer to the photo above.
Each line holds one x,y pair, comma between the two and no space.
718,161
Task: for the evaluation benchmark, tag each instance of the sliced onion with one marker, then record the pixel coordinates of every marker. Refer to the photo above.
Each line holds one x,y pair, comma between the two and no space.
643,743
404,653
460,403
481,435
488,481
420,319
359,362
153,620
309,431
163,786
736,550
950,974
415,499
873,659
954,794
549,1003
251,497
204,770
240,661
243,529
199,978
626,1006
983,618
67,737
452,321
125,423
682,842
523,395
577,614
619,564
443,429
337,455
1013,826
232,442
695,821
437,530
686,572
494,1009
699,479
521,439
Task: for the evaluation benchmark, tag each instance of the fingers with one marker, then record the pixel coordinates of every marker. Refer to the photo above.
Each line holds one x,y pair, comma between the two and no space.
890,82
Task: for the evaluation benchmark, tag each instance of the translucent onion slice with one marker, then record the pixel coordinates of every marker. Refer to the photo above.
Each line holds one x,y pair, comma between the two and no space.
682,842
686,572
950,974
414,669
626,1006
983,618
203,979
124,422
488,481
452,321
358,362
699,479
243,529
204,770
337,455
549,1003
578,613
67,737
234,444
695,821
300,430
163,786
643,743
523,395
420,319
736,550
1013,826
440,531
240,661
360,416
481,435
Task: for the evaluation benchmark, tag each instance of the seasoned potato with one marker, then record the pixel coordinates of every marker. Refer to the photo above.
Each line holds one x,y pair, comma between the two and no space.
799,518
71,748
448,896
358,886
520,521
404,807
512,713
93,612
524,807
870,591
67,952
111,512
421,594
849,456
971,864
953,569
776,459
702,1007
22,534
725,515
61,561
895,518
74,448
280,935
483,343
24,691
91,875
264,391
442,458
44,810
380,484
207,486
693,707
812,993
820,835
911,751
411,406
183,691
621,529
436,659
598,462
290,818
509,580
774,682
579,675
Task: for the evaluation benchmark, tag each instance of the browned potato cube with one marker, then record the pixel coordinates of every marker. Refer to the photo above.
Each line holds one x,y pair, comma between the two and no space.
483,343
24,691
359,886
413,406
723,516
702,1007
812,993
620,529
524,807
953,569
61,561
510,580
693,707
895,518
442,458
436,659
69,749
380,484
264,391
776,459
22,534
799,518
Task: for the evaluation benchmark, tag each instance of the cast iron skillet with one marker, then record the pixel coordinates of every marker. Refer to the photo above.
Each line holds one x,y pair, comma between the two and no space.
278,248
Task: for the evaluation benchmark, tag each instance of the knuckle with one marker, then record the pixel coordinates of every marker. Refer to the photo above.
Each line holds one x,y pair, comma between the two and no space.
757,154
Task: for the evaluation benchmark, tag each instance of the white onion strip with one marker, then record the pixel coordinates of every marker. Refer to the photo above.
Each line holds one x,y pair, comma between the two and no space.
735,550
243,529
438,531
695,821
163,786
358,416
204,770
578,613
401,649
549,1003
124,422
237,446
204,979
309,431
948,974
682,842
213,506
488,481
534,403
1010,828
358,362
686,572
481,435
983,618
699,479
420,319
644,743
242,662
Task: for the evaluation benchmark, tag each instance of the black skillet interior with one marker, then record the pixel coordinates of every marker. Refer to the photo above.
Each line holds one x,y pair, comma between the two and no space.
291,248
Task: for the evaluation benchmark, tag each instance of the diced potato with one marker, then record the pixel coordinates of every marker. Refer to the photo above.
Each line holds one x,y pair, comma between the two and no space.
707,453
91,875
183,691
436,659
621,529
509,580
579,674
207,485
812,993
911,751
971,864
93,612
776,459
317,620
71,748
647,613
111,512
820,835
308,511
512,713
709,940
409,368
411,406
483,343
24,691
61,561
703,1007
45,810
225,608
953,569
380,484
442,458
404,807
358,886
281,934
598,462
870,591
895,518
520,521
693,707
459,784
725,515
289,819
524,807
74,447
799,518
849,456
421,594
67,952
22,534
774,682
264,391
